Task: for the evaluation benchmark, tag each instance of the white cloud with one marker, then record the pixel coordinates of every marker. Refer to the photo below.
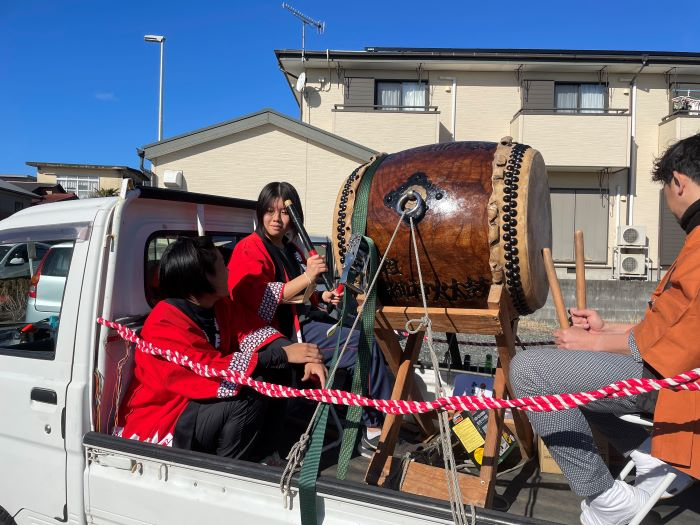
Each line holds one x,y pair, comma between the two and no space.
106,96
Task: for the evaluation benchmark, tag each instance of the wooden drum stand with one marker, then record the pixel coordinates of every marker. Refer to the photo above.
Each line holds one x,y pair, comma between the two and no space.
498,319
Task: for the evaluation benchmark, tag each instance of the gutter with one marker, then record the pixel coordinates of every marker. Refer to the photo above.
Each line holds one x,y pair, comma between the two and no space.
454,106
632,172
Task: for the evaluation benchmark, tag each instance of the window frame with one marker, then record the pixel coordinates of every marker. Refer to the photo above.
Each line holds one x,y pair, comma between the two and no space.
44,355
400,82
578,109
66,182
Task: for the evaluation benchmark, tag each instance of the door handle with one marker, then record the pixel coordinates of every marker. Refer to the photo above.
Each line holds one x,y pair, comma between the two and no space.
44,395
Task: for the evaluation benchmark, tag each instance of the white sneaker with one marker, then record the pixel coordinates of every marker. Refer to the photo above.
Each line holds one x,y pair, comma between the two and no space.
615,506
650,471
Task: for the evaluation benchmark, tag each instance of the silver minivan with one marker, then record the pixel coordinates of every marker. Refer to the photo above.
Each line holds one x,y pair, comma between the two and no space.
46,288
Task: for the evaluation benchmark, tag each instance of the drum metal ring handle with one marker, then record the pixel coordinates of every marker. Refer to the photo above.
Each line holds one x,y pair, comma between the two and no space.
417,211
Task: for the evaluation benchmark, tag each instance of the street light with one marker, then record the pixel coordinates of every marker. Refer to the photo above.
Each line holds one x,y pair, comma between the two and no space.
160,40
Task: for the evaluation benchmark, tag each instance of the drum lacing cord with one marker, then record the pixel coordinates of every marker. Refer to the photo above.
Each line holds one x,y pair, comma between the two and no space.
295,458
456,504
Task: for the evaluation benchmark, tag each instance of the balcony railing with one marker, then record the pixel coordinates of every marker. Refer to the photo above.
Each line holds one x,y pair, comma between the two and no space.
378,107
681,113
571,111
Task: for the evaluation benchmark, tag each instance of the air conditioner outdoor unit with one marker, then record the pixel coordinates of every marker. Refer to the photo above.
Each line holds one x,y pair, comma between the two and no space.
631,236
172,179
632,264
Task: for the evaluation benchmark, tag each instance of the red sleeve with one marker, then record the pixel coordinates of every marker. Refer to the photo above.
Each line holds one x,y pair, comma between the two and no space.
169,329
251,279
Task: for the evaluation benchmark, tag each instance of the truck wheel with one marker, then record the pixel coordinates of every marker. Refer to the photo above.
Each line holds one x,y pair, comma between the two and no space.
5,518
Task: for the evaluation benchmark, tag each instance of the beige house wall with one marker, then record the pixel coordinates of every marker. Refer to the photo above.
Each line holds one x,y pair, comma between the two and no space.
387,131
240,165
676,129
652,107
107,178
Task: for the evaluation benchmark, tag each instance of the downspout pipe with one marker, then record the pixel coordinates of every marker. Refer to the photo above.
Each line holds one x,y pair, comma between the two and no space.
454,106
632,173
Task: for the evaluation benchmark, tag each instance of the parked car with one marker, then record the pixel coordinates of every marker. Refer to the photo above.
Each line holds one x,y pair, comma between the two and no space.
48,282
15,260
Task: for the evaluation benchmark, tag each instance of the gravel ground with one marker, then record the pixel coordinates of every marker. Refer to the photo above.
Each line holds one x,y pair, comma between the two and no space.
478,347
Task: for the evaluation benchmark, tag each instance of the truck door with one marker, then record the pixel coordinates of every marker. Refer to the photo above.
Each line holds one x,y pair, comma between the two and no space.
36,354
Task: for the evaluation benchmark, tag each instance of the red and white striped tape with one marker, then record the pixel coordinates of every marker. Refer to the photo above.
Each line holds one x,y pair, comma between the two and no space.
550,403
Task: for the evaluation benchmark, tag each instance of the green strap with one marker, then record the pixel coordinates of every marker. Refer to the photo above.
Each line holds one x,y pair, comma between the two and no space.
359,378
312,459
364,351
309,471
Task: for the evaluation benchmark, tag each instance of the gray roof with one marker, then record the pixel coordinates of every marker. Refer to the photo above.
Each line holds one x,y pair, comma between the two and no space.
11,188
125,170
253,120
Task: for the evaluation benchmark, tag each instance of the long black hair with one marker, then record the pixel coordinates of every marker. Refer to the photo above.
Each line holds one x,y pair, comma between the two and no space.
269,194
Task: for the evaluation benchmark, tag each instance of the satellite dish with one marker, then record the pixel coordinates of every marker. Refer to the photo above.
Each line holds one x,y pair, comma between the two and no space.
301,83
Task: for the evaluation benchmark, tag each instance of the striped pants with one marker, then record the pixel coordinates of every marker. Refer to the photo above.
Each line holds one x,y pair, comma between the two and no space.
567,433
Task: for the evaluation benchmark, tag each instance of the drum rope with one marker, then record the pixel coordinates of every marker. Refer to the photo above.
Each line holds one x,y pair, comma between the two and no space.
456,504
296,455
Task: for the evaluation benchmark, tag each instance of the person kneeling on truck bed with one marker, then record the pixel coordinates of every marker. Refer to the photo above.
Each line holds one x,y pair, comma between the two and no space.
168,403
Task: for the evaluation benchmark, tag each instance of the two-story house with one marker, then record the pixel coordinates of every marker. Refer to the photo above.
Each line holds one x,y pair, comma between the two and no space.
599,118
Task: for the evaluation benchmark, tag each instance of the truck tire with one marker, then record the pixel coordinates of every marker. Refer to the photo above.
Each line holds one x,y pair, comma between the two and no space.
5,518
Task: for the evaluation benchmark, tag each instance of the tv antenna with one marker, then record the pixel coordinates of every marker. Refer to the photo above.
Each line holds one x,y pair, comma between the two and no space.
305,20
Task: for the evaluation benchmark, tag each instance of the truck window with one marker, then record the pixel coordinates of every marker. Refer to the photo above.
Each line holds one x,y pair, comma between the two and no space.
157,244
31,301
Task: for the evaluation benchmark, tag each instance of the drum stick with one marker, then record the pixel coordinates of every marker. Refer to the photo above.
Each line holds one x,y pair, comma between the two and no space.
308,245
580,271
556,289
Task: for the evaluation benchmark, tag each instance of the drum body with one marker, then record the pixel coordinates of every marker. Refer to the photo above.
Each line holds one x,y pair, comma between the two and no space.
484,220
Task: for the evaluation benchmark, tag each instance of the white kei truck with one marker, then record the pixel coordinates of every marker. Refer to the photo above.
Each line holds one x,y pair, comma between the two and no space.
62,379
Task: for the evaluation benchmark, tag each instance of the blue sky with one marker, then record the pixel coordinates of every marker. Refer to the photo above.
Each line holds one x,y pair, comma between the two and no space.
79,84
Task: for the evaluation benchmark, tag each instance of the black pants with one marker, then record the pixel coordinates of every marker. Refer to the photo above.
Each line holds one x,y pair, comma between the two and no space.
242,427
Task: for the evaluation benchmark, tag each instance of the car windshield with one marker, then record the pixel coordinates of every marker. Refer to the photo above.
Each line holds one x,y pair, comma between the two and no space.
4,248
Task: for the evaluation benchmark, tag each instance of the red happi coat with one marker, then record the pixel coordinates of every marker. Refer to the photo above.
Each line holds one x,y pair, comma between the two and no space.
160,390
256,294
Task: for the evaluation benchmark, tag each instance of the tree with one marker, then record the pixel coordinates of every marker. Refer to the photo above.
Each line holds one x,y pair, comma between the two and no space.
105,192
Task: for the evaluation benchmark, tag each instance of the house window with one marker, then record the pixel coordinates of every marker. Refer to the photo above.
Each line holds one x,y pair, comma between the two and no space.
579,209
83,187
685,98
398,95
579,98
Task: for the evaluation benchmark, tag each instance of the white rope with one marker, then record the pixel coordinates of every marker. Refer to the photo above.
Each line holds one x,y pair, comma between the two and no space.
453,488
296,455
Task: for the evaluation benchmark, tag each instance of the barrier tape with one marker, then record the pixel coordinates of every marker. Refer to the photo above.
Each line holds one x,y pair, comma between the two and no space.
549,403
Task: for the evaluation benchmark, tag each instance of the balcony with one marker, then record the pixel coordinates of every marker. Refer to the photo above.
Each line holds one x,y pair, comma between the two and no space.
387,129
678,125
575,138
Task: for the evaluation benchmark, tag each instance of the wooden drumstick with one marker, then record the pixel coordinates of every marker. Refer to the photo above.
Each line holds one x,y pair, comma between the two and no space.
580,271
557,297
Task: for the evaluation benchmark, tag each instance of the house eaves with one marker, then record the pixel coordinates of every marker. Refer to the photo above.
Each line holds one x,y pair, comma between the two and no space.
125,171
479,59
254,120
